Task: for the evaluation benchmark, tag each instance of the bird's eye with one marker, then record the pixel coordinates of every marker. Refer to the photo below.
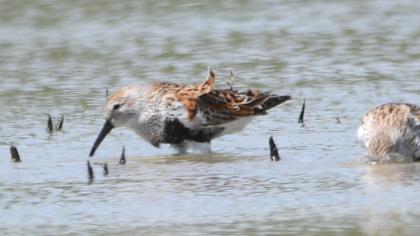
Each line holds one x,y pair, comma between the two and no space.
116,106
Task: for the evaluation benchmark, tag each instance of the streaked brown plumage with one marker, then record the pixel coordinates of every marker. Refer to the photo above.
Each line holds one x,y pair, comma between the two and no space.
172,113
392,132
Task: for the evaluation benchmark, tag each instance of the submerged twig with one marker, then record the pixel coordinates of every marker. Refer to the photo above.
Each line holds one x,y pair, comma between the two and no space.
338,120
302,113
106,169
122,159
274,154
14,153
50,128
91,176
60,123
106,93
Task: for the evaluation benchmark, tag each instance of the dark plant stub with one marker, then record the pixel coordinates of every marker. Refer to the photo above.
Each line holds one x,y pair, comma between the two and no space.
338,120
91,175
60,123
302,113
274,154
50,128
15,154
106,172
122,159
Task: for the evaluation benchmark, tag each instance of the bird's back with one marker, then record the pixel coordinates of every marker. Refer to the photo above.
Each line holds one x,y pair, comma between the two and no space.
391,129
202,109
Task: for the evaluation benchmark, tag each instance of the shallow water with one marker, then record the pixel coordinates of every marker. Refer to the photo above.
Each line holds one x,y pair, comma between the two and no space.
343,58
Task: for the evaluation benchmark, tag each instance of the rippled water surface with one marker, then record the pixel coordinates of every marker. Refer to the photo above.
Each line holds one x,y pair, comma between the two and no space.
343,57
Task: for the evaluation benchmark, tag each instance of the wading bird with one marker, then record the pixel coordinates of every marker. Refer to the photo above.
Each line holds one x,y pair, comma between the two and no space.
183,115
391,132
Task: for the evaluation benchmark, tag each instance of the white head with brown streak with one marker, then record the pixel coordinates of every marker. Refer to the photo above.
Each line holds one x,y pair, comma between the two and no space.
122,109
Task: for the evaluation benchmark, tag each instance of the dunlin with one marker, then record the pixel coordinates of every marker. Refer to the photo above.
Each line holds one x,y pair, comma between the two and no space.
182,115
391,132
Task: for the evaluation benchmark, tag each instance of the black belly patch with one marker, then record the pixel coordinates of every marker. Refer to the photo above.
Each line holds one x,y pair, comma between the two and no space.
175,133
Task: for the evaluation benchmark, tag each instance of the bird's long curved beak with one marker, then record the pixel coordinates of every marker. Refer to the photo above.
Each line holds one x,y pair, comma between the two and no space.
105,130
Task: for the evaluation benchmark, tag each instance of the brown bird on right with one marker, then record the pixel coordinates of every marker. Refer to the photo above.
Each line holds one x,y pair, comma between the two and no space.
391,132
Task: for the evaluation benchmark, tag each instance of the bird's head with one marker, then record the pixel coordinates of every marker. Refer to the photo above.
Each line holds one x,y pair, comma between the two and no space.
122,109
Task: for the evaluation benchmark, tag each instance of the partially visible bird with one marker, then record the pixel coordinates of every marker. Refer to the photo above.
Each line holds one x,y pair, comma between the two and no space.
183,114
391,132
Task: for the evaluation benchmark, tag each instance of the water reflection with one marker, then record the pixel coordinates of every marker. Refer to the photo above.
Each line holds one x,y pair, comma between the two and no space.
391,174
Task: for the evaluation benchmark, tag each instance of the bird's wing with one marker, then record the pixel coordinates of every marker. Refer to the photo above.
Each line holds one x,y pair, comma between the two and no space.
221,106
189,95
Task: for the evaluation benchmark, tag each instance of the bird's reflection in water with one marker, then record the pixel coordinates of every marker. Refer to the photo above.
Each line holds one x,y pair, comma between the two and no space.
391,174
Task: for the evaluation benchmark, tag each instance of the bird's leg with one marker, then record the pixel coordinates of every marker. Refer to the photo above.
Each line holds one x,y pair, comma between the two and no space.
202,147
181,148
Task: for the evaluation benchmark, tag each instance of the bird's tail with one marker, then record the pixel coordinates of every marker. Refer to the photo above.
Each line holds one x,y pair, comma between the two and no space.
274,100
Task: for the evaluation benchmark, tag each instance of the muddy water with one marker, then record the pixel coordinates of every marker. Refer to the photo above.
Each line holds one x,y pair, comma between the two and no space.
343,58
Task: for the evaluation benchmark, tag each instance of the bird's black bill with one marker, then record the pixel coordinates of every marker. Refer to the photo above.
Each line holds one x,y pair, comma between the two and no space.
105,130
